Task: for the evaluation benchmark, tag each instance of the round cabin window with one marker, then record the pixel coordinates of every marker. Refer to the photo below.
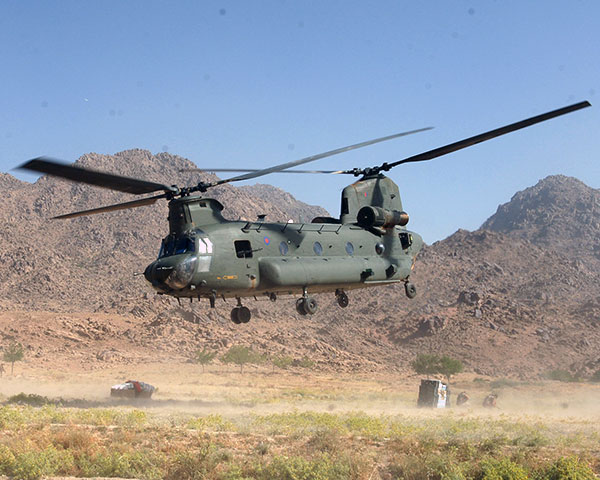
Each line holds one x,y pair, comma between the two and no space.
283,248
318,248
349,248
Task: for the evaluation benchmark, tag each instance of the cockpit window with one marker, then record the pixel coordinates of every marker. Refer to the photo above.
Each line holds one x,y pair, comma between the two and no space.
205,246
176,246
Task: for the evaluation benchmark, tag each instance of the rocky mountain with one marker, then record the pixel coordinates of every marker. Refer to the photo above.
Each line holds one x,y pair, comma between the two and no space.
559,213
503,298
89,262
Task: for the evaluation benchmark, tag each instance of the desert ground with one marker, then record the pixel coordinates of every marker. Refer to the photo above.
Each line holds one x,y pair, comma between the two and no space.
294,423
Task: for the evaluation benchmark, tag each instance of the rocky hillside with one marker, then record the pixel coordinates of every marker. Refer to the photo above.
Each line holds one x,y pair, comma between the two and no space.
88,262
559,213
506,299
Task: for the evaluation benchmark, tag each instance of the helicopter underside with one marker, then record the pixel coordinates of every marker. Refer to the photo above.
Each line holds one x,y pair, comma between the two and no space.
294,290
305,304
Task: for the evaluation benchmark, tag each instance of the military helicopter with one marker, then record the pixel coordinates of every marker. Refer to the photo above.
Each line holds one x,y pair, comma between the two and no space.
205,256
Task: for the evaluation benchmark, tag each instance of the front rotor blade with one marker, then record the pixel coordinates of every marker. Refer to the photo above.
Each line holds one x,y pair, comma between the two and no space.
453,147
283,166
93,177
110,208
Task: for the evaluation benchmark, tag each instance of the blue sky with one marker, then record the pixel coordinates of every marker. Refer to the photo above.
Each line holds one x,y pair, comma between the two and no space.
251,84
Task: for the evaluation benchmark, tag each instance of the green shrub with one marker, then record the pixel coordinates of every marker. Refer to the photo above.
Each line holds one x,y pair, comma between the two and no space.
138,464
297,468
567,468
7,460
595,377
426,364
431,467
190,465
29,399
502,470
305,362
502,383
283,361
240,355
32,465
561,376
213,422
204,357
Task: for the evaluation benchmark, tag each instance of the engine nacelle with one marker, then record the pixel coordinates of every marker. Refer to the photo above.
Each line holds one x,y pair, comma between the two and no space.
380,217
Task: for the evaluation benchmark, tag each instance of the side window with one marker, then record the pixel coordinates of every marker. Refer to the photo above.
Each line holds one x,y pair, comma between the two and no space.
405,240
318,248
243,249
283,248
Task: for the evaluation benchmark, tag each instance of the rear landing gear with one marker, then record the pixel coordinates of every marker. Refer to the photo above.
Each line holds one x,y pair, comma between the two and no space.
342,298
410,290
240,314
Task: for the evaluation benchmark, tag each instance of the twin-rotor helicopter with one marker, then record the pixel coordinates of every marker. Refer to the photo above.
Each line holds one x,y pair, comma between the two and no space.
205,256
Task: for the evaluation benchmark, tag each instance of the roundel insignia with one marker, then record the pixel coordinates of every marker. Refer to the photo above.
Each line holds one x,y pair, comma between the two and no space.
267,240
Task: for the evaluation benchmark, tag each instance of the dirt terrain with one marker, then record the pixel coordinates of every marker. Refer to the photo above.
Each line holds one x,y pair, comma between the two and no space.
512,299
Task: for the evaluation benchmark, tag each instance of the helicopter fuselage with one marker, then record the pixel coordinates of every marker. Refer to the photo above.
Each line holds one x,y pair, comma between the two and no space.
207,256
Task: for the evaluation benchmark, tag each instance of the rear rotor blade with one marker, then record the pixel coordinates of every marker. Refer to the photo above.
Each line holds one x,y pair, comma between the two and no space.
110,208
453,147
312,158
93,177
248,170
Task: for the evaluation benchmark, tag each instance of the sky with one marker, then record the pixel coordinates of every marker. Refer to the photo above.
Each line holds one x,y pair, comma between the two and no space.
257,83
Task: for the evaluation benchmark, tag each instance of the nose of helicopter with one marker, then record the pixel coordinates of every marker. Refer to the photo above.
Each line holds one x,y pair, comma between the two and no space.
171,273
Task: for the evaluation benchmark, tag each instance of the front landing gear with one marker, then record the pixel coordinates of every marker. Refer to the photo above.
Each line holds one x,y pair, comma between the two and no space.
240,314
410,290
306,305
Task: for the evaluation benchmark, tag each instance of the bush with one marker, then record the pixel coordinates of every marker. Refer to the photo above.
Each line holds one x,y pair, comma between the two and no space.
32,465
29,399
567,468
298,468
139,464
191,465
13,353
502,470
595,377
204,357
305,362
426,364
283,362
561,376
503,382
240,355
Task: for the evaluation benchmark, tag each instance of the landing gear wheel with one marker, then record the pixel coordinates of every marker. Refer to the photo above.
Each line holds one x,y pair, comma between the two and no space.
235,315
244,314
342,299
300,306
410,290
310,305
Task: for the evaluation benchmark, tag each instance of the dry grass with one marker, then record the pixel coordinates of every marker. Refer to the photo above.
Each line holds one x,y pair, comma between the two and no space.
222,425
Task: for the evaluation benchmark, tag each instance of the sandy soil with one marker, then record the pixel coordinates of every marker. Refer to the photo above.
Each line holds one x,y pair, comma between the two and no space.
182,387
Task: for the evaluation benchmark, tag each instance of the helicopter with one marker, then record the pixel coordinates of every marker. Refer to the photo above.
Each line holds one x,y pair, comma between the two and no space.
206,256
